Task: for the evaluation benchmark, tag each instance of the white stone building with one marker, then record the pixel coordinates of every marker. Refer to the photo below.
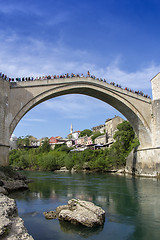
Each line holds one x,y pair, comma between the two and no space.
13,142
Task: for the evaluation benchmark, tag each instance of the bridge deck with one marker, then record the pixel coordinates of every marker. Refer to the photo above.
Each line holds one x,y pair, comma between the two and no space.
79,80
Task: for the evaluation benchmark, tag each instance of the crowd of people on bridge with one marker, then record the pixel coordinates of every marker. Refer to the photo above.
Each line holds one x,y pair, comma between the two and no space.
67,75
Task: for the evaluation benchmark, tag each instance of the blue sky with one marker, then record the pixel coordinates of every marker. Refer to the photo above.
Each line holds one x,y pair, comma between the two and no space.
114,39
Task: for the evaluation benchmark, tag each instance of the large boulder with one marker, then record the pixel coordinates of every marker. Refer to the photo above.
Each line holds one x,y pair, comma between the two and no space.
80,212
62,169
11,185
11,180
11,225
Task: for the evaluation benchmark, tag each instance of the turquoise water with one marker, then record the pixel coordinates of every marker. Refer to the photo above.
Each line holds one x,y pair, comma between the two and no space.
132,205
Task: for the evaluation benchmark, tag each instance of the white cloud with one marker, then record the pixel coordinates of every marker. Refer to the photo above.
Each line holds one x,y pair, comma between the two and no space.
35,57
75,106
136,80
34,120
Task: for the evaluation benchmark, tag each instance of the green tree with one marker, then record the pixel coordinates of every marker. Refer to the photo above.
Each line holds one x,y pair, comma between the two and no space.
20,142
125,142
85,132
69,162
23,141
62,147
45,146
95,135
26,141
124,136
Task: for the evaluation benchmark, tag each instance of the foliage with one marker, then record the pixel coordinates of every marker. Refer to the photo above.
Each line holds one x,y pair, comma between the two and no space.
45,146
95,135
23,141
85,132
124,136
62,147
125,142
69,163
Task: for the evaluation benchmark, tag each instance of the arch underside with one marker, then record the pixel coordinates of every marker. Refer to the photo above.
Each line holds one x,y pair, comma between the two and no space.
114,99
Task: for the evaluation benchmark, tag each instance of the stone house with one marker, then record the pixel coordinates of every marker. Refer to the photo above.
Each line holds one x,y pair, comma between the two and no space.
78,141
89,141
108,129
56,140
111,127
83,140
100,128
70,142
33,141
101,140
53,140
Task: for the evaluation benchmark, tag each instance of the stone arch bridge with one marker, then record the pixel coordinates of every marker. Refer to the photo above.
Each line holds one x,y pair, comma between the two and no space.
17,98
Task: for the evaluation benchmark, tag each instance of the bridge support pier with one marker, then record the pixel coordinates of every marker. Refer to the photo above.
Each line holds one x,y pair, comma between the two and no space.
5,117
4,155
144,162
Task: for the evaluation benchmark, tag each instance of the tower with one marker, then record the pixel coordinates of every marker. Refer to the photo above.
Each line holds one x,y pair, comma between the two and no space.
71,130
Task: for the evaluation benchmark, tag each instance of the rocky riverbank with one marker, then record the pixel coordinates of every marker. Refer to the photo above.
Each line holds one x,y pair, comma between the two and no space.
11,225
11,180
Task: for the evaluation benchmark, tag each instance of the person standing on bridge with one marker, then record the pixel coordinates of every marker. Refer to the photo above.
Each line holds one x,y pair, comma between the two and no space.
88,74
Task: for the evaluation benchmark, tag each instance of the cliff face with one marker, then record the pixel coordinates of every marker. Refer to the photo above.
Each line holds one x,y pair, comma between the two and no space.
11,225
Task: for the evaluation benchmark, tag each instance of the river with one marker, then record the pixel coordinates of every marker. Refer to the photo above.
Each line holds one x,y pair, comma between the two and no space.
132,205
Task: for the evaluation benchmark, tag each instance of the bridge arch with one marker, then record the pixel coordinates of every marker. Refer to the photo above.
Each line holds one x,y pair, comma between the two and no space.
129,104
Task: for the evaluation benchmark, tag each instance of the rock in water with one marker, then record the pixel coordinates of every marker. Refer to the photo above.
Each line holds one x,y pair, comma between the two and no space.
50,215
81,212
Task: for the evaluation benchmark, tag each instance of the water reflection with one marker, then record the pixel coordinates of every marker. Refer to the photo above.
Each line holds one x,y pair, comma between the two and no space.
132,204
82,231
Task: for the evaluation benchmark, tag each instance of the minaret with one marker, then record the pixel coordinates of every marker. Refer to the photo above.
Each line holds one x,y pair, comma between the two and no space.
71,128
